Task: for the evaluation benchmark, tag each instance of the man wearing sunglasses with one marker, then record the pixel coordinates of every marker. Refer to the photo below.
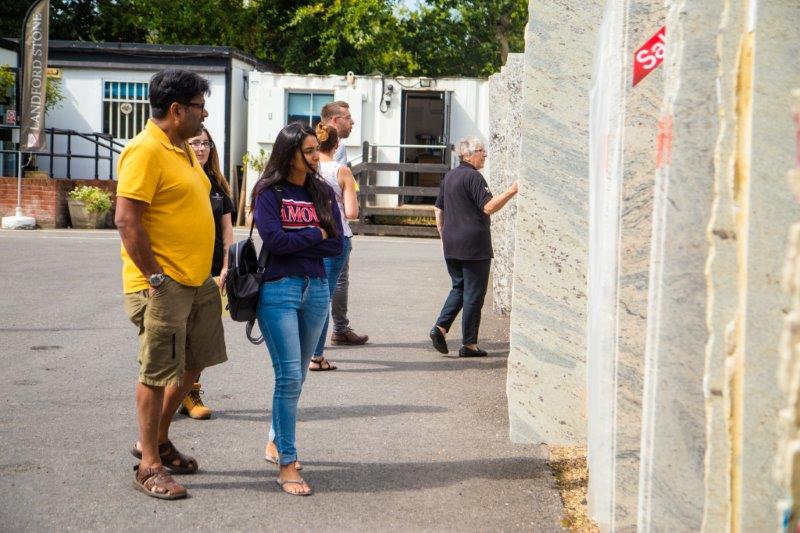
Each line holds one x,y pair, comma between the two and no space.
166,226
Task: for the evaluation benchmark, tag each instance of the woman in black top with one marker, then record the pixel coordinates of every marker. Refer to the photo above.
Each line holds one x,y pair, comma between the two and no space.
222,207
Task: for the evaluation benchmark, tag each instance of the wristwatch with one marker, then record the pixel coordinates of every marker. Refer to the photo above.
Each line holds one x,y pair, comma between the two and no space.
156,280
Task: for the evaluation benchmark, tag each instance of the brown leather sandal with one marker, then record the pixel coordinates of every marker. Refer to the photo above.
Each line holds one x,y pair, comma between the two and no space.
171,458
323,365
157,482
301,481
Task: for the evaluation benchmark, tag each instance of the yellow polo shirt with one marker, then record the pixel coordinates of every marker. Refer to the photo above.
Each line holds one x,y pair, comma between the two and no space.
179,220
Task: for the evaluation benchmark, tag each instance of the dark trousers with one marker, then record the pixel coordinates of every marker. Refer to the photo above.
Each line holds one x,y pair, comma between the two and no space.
470,279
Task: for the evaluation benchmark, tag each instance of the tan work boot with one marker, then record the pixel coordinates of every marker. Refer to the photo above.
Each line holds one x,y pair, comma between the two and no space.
193,405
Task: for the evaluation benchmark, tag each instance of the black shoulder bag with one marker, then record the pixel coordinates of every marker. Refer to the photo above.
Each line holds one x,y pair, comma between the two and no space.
245,271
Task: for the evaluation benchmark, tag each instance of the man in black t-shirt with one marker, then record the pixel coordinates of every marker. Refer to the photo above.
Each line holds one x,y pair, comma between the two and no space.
462,212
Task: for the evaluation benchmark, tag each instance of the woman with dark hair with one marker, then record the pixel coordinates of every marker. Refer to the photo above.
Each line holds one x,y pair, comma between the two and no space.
222,208
297,217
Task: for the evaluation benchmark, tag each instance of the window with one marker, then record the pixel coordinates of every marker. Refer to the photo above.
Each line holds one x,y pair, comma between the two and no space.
305,107
126,108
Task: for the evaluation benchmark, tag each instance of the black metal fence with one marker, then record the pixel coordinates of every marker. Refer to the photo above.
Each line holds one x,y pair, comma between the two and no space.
103,146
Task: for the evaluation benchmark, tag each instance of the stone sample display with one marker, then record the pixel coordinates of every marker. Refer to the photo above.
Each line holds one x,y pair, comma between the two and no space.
669,318
770,210
672,490
624,129
788,460
547,363
504,156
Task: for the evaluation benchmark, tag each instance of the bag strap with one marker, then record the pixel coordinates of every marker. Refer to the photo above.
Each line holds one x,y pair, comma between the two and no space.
248,331
263,255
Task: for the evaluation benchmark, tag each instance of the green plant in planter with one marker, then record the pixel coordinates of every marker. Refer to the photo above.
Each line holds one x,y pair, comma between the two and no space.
54,95
256,162
95,199
6,82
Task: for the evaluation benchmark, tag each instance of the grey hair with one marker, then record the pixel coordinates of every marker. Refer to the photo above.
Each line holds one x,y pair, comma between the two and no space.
467,146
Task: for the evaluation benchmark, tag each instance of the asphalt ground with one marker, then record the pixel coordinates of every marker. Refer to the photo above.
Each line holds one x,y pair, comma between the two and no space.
399,438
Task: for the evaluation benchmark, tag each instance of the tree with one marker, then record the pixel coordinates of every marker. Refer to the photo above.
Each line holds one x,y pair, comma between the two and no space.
440,38
333,36
12,13
464,37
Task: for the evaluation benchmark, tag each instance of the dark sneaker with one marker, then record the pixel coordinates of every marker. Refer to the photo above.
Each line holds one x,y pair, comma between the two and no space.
439,342
349,338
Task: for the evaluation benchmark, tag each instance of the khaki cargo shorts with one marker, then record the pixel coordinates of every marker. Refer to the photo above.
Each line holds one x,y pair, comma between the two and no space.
180,328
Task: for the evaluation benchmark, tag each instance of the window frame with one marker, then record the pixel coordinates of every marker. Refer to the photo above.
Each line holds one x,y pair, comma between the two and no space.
107,104
308,92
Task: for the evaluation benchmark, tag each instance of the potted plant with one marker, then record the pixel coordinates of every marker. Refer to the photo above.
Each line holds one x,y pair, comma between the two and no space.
88,207
6,83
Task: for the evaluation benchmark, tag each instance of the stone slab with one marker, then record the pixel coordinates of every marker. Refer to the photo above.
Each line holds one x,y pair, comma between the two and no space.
770,211
671,487
505,131
547,364
616,354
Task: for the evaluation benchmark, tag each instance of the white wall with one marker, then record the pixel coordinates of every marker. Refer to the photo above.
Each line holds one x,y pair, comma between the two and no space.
267,112
8,57
238,133
82,111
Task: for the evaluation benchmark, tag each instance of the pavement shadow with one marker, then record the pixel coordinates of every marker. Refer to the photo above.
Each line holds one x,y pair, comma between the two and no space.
331,412
489,346
333,476
446,364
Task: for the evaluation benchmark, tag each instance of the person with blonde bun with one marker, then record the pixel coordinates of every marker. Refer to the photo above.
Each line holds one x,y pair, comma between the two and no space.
340,178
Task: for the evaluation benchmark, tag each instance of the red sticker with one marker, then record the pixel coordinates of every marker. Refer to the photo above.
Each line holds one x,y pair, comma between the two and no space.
664,141
649,56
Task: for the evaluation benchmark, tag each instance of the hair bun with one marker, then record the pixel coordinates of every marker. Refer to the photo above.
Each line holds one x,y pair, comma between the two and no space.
322,133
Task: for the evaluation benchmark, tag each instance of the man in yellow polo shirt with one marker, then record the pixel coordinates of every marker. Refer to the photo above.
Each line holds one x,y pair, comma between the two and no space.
167,230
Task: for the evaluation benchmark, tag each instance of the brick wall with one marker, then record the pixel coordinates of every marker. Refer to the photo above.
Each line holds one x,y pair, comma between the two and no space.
45,199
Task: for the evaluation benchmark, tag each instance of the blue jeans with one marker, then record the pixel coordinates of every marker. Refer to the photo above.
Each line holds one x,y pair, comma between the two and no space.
291,313
470,280
333,267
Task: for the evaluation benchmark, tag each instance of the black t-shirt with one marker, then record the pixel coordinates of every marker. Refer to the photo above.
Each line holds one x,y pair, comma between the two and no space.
465,232
220,205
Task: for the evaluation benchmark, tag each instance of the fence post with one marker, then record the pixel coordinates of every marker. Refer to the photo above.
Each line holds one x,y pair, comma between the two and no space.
362,185
69,154
372,177
52,144
96,155
110,157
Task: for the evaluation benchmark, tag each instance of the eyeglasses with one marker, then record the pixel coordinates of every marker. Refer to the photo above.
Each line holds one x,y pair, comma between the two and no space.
202,144
201,107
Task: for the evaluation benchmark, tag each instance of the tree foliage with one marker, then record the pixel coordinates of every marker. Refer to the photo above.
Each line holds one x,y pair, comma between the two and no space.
439,38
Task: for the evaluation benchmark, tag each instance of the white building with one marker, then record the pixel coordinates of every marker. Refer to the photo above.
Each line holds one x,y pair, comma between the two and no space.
388,112
105,86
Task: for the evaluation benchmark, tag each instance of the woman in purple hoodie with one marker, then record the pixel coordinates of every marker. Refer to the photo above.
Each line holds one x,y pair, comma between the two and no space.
297,217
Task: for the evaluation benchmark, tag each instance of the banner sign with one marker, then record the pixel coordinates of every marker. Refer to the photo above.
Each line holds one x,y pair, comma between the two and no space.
34,77
649,56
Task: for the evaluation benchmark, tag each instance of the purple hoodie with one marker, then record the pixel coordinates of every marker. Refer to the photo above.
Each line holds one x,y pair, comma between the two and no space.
291,232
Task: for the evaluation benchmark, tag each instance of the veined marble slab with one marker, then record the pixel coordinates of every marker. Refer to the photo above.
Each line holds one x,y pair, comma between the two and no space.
505,100
671,487
769,211
620,257
547,364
